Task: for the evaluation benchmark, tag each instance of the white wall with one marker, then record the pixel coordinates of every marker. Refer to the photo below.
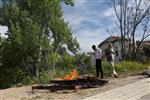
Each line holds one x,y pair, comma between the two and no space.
115,44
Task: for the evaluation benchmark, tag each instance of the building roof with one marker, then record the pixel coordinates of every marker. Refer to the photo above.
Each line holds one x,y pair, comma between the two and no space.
110,39
144,43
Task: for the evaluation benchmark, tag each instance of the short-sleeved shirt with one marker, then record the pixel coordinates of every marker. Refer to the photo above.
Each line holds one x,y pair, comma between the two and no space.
98,54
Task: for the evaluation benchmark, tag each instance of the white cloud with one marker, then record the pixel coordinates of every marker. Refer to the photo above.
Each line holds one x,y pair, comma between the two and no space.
87,38
85,1
82,11
77,20
87,22
109,12
74,19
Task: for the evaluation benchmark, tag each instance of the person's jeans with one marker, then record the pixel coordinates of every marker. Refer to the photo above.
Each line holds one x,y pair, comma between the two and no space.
99,68
112,67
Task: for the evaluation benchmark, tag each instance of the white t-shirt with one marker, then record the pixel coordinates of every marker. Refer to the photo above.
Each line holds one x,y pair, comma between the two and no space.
98,54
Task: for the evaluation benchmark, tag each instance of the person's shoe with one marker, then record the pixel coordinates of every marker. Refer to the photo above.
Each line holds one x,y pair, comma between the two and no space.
112,75
115,75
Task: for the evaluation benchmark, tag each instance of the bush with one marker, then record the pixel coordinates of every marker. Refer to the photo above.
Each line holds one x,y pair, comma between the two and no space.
28,80
106,68
9,76
131,66
45,77
123,67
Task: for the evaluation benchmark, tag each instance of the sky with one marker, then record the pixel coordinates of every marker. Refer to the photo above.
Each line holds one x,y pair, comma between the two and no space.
88,20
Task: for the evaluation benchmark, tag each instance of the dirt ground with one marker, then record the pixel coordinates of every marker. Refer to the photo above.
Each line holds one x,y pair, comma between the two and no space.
24,93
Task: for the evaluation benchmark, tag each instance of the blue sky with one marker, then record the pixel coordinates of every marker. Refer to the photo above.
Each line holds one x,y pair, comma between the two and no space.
88,20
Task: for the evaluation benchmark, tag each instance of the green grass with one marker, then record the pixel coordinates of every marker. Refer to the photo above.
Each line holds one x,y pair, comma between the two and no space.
124,67
131,67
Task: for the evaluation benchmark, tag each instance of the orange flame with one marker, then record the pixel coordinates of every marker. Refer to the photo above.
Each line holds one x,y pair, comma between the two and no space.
71,76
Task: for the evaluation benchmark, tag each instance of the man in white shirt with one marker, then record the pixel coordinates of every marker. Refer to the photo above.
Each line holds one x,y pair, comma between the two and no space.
98,57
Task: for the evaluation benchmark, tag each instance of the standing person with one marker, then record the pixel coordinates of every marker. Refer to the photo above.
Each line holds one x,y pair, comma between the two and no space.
98,56
110,53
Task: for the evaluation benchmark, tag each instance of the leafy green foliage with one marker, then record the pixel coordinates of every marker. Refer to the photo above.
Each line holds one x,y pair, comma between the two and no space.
125,67
69,2
131,66
37,34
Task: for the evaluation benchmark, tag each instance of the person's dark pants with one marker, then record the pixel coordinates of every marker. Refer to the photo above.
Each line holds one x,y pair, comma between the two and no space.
99,68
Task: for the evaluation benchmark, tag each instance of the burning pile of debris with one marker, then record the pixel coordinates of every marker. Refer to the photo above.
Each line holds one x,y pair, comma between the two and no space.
72,82
73,75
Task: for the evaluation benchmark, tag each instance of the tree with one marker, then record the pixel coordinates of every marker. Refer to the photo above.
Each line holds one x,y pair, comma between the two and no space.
36,34
131,15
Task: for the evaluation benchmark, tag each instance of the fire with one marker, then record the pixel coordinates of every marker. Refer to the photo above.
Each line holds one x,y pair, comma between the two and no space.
71,76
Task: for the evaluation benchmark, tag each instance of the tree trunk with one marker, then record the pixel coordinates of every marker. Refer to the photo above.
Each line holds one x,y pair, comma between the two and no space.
129,52
35,71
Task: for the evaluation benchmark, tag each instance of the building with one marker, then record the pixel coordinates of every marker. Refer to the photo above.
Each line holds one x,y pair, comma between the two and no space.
145,44
145,47
116,42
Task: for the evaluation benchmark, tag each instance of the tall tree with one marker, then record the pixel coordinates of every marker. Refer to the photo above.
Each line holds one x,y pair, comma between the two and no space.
36,34
131,14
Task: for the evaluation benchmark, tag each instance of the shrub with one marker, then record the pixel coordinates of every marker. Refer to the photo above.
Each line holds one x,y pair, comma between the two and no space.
131,66
28,80
9,76
124,67
106,68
